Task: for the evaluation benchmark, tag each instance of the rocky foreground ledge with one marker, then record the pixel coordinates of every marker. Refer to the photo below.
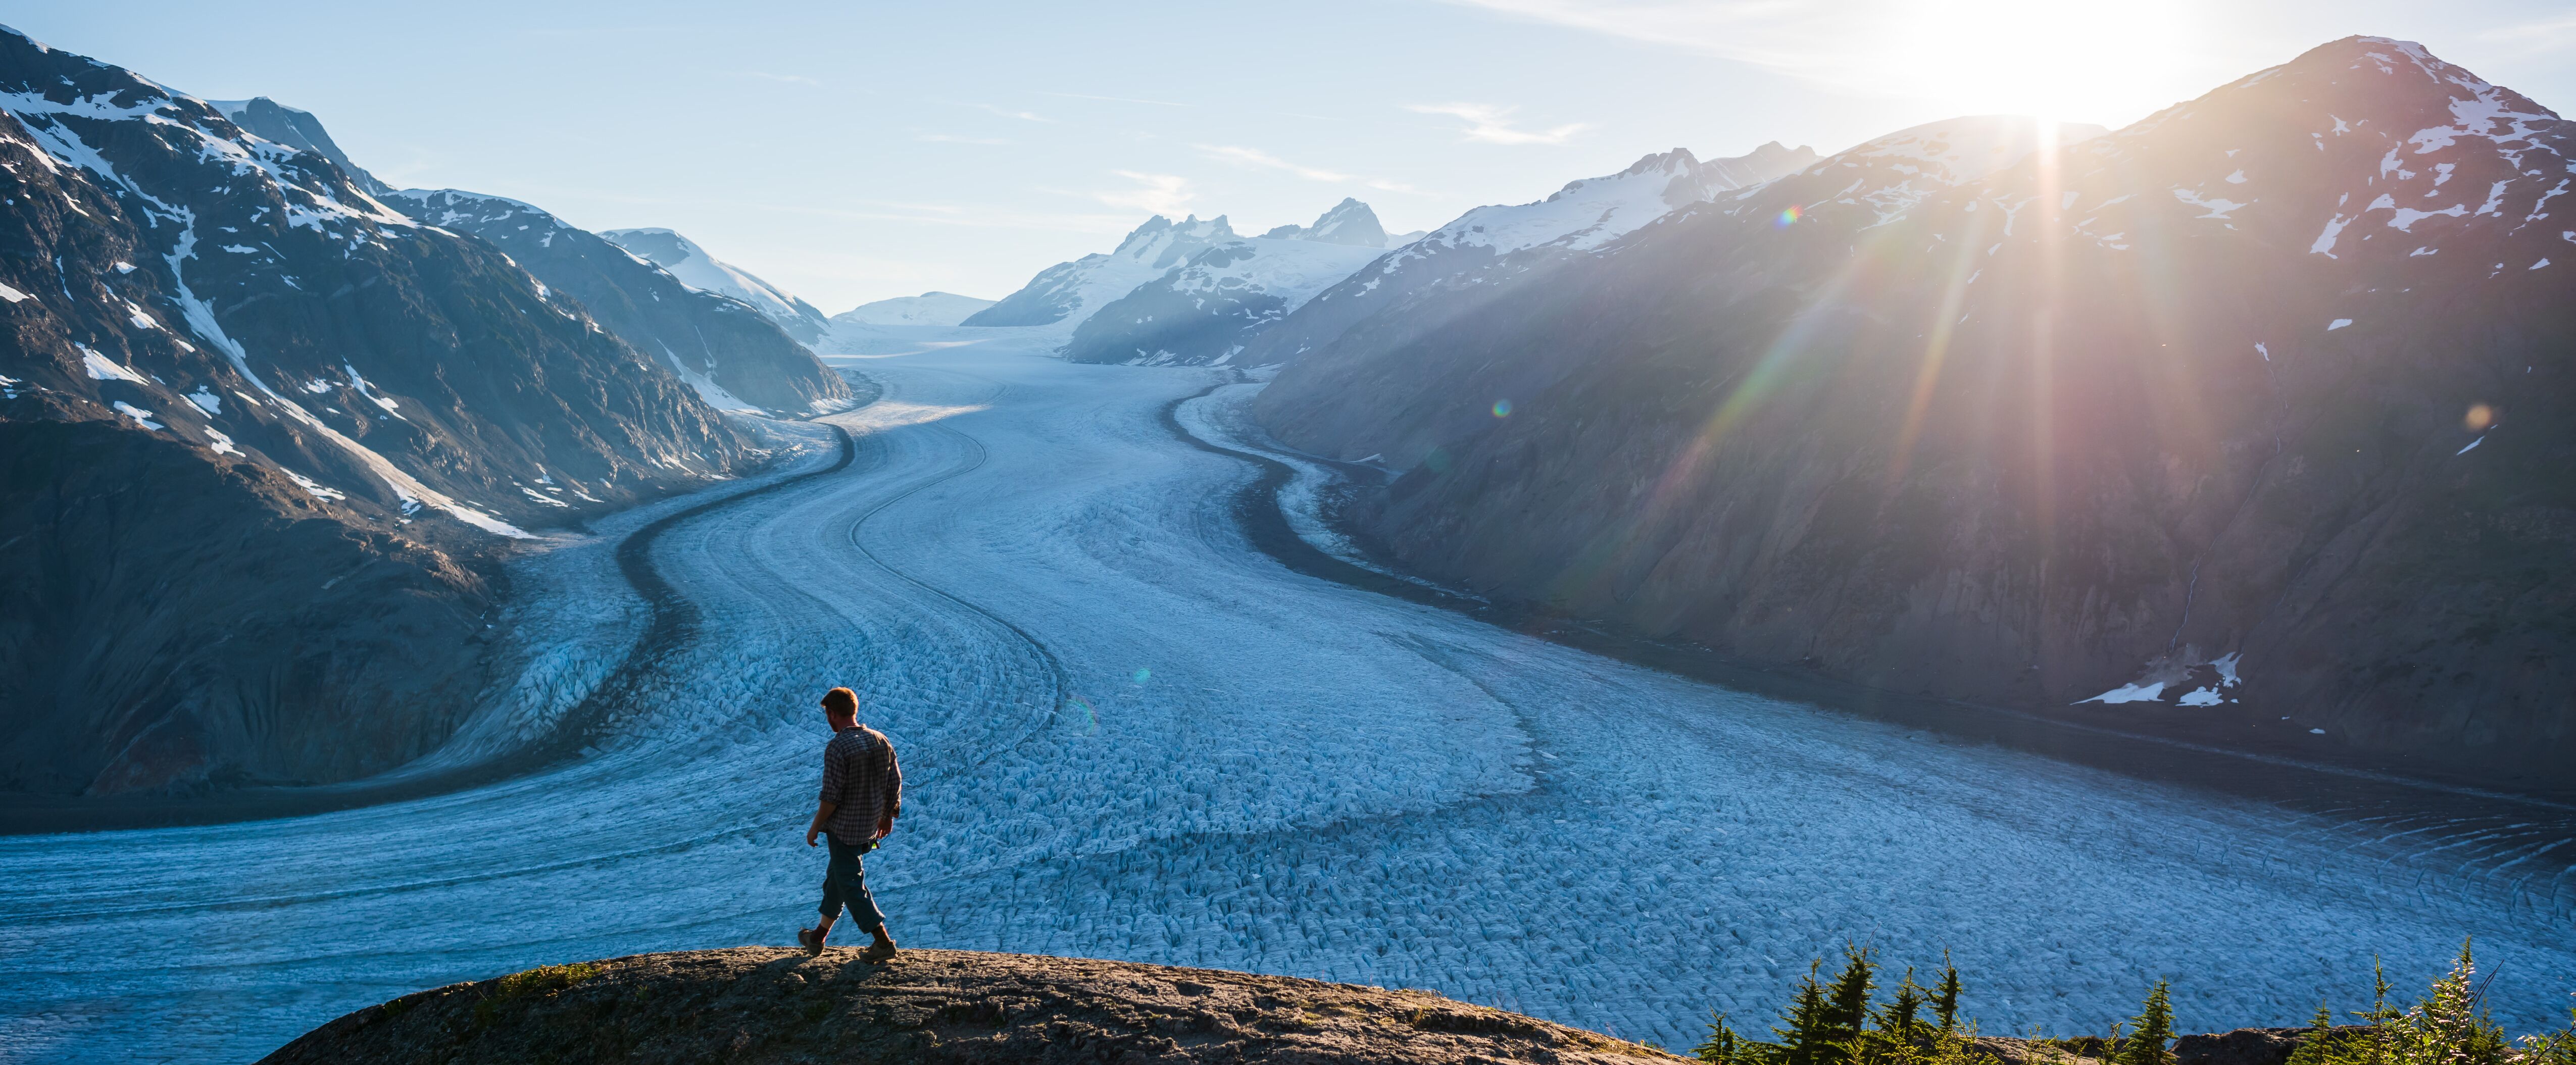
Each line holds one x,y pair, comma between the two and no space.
764,1004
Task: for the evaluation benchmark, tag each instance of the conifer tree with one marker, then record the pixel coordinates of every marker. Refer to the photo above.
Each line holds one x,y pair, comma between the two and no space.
1945,999
1901,1019
1847,1001
2450,1025
1723,1046
2314,1048
1807,1039
2150,1033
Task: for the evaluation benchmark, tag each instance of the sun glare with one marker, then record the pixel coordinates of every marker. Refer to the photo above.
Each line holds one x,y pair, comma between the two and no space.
2091,62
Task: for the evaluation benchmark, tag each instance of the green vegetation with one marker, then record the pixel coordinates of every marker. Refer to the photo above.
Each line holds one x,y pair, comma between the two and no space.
542,980
1832,1022
2448,1026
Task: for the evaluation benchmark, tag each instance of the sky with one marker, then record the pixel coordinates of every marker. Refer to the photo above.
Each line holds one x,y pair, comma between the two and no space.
853,151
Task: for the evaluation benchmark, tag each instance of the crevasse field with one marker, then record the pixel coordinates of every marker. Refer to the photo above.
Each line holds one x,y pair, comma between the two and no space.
1128,734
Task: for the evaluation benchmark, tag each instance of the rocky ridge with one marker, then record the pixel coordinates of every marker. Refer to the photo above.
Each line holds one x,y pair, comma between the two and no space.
766,1004
756,1004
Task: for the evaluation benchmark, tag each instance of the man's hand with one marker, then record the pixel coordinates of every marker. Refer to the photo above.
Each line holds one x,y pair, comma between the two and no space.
822,813
885,825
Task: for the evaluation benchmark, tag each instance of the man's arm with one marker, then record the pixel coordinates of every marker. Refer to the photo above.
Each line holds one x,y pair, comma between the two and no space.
823,812
894,793
833,775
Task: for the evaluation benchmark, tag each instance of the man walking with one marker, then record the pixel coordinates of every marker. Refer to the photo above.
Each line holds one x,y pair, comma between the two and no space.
862,792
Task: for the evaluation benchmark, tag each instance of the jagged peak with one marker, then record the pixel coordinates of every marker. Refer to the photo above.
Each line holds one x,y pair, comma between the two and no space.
1678,160
1191,229
1348,222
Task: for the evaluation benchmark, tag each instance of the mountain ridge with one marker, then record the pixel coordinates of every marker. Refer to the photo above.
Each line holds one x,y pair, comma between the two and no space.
2283,329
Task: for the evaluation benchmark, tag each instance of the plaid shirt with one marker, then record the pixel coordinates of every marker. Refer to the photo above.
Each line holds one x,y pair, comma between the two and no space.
863,782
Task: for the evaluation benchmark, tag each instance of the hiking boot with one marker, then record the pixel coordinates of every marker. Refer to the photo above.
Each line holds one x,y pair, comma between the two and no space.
879,952
811,939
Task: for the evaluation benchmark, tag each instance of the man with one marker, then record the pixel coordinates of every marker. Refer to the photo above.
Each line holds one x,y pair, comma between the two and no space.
862,792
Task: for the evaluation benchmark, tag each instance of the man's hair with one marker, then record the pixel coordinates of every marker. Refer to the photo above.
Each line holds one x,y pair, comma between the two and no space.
841,702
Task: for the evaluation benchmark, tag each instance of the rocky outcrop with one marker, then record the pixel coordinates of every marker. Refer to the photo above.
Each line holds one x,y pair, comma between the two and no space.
755,1005
2249,420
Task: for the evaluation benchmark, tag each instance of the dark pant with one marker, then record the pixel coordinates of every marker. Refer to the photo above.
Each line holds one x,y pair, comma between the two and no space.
846,884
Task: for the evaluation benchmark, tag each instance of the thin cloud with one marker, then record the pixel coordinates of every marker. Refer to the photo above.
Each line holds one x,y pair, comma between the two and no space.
2532,38
951,138
1261,160
1024,116
791,79
1115,99
1167,194
1492,125
1254,157
964,216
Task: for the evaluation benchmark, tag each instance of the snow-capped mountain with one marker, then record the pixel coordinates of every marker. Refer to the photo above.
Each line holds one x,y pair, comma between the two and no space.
699,270
257,424
2251,419
929,308
1061,296
1490,241
1349,222
734,356
1206,309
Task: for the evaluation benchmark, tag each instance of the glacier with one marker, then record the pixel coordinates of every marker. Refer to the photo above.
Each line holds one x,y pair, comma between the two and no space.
1131,735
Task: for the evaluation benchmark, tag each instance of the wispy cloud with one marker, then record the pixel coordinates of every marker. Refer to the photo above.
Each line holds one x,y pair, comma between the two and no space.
1024,116
790,79
2533,38
1257,159
1492,125
963,216
1154,193
1115,99
951,138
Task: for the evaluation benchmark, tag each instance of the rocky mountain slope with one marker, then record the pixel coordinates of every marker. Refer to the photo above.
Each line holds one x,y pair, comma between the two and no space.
734,356
1488,244
257,427
755,1004
2252,417
699,270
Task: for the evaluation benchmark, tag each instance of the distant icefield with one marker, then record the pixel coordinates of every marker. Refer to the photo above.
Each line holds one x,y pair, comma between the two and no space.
1127,734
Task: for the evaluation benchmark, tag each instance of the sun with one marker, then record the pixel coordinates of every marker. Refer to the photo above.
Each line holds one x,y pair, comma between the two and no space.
2111,63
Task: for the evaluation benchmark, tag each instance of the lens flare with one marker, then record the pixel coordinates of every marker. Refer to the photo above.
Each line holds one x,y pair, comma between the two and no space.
1502,408
2479,418
1789,216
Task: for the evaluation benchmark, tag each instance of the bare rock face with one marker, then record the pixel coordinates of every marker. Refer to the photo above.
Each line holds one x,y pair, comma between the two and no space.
756,1004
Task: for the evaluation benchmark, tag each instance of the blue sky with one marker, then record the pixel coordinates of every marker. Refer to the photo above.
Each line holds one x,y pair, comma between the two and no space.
853,151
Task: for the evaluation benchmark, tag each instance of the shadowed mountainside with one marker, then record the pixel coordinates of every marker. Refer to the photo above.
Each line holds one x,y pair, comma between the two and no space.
2255,415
